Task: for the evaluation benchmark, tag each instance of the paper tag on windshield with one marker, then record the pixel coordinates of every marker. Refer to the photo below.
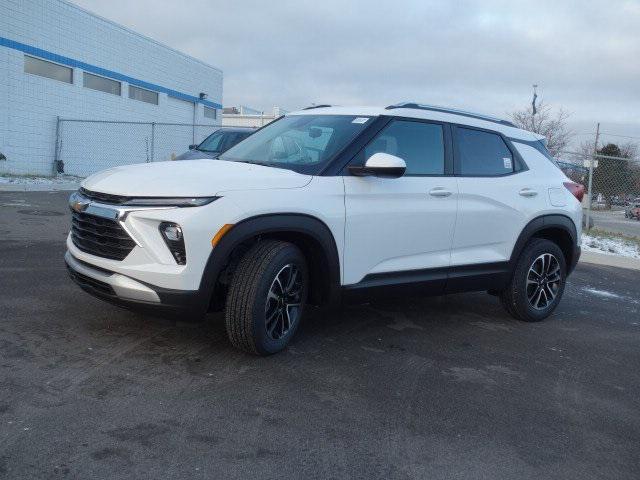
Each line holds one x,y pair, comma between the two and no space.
360,120
507,163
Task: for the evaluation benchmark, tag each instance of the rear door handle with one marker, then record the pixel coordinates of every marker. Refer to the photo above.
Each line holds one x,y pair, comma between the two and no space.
440,192
527,192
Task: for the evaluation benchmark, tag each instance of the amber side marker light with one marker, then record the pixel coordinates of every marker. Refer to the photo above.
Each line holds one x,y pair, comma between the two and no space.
221,233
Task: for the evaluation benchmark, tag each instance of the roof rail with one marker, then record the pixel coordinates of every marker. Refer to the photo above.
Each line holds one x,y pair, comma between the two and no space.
316,106
434,108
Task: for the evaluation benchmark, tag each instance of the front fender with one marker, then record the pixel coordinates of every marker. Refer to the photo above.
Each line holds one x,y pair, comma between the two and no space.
253,227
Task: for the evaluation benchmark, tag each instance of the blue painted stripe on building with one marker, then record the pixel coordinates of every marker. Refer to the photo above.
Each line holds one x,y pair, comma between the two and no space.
70,62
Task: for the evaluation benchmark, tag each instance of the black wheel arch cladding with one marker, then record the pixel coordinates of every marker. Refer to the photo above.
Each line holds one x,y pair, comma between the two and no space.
311,235
560,229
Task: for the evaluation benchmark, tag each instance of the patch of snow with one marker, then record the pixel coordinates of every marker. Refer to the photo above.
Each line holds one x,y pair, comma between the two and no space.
610,246
601,293
57,180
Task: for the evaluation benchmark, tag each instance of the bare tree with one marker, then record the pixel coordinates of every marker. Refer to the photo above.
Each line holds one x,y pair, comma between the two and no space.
627,150
545,122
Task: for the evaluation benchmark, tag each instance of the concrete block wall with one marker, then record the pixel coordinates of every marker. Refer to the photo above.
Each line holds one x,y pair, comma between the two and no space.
30,104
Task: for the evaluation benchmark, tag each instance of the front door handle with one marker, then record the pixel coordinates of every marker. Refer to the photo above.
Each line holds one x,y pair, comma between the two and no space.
440,192
527,192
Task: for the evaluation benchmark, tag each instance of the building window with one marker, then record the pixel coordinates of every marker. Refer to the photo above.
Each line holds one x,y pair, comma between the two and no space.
210,113
143,95
43,68
101,83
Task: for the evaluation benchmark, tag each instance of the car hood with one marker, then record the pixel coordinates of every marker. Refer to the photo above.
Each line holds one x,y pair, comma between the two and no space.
191,178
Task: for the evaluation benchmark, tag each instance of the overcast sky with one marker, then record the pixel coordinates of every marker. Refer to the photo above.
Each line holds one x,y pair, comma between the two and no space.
477,55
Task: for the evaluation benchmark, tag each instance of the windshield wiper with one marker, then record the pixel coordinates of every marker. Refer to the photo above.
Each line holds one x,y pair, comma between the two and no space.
252,162
263,164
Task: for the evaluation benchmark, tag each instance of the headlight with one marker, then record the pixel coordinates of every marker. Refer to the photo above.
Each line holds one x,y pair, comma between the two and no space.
172,235
169,202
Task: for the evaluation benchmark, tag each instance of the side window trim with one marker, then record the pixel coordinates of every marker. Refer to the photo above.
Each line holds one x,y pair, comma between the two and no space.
447,141
519,164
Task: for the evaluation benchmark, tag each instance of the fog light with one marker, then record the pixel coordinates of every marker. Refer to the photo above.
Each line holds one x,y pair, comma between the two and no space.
172,232
172,235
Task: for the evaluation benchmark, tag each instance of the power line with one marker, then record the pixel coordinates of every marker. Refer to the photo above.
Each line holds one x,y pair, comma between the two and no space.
607,134
621,136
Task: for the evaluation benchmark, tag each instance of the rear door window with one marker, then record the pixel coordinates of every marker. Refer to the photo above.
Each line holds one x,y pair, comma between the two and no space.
482,153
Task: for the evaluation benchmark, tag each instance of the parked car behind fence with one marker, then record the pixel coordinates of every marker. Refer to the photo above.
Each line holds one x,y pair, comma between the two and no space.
218,142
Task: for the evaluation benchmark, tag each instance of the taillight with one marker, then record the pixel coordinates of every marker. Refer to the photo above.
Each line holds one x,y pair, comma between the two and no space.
576,189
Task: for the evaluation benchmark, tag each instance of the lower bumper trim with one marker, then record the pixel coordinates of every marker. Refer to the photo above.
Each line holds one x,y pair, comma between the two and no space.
132,294
122,286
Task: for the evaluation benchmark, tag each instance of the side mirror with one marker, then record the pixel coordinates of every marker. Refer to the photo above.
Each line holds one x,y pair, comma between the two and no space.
193,147
381,165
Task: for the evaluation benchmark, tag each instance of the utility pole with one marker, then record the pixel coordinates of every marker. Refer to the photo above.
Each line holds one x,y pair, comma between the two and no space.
593,159
193,127
533,103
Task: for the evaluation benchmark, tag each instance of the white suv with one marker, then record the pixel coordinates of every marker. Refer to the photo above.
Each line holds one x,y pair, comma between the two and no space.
332,204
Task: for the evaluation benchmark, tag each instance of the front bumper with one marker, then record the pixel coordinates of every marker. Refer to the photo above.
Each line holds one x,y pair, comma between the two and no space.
126,292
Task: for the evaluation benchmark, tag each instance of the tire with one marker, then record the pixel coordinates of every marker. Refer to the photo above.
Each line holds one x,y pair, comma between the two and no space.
525,288
256,295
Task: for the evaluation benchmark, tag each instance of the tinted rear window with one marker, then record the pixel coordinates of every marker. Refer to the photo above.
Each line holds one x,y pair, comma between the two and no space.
482,153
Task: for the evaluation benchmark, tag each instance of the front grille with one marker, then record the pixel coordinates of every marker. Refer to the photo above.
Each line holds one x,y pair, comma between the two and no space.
104,197
89,283
100,236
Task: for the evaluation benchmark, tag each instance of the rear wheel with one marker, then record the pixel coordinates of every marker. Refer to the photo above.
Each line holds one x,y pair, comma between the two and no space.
538,281
266,297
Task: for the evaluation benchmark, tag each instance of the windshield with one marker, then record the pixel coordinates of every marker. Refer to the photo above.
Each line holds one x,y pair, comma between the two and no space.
212,143
304,143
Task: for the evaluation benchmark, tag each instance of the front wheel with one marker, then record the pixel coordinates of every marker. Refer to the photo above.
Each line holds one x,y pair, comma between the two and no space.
538,281
266,298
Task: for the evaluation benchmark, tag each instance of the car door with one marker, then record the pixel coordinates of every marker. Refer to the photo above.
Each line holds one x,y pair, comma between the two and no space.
497,197
396,227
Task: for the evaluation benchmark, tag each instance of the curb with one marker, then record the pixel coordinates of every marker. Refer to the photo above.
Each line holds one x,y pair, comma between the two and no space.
610,260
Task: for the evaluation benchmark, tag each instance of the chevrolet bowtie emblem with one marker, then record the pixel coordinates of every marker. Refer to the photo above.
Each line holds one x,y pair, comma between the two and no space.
78,203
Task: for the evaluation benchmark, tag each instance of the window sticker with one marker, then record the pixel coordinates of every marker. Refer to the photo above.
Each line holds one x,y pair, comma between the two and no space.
507,163
360,120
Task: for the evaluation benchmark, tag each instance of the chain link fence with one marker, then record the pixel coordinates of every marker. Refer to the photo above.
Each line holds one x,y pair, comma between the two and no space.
612,183
84,147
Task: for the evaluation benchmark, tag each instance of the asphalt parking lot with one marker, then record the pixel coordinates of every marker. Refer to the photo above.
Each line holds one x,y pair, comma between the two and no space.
430,388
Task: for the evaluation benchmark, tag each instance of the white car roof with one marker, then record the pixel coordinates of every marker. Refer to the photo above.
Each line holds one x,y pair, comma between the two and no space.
428,112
